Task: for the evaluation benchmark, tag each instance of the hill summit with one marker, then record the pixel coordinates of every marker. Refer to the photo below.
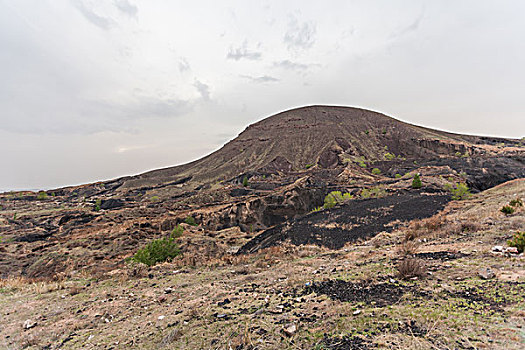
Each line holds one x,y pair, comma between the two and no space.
326,136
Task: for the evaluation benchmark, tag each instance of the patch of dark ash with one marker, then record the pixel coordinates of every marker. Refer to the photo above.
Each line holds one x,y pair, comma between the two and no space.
346,342
378,294
366,217
442,255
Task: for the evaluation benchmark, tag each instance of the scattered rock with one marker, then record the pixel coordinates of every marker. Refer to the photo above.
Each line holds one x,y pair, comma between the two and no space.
161,317
497,248
168,290
512,250
28,324
290,329
486,273
356,312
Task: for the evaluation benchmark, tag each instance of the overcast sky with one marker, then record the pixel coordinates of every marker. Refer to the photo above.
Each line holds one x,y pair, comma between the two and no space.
93,90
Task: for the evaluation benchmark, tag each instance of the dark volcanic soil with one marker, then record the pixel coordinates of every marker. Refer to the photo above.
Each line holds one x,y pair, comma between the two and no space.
379,294
350,222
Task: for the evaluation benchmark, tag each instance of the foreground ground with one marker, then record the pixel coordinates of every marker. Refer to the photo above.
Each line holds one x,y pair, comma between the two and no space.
288,297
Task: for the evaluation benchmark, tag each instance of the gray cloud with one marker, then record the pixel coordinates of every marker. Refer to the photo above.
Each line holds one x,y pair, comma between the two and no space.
242,52
289,65
261,79
412,27
300,35
184,65
96,19
127,8
203,89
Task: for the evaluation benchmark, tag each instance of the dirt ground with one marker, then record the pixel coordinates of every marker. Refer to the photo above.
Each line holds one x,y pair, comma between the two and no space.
306,297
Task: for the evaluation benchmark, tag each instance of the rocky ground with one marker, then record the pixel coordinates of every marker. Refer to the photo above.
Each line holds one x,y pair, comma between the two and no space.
466,294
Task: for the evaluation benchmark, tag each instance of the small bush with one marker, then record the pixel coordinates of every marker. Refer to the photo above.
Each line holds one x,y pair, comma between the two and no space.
374,192
376,171
416,181
409,268
336,197
190,221
154,199
177,232
41,195
390,156
516,202
157,251
245,181
98,203
518,241
459,191
507,210
398,176
308,166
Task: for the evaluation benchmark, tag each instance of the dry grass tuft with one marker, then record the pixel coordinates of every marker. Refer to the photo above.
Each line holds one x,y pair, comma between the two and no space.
38,286
408,248
409,268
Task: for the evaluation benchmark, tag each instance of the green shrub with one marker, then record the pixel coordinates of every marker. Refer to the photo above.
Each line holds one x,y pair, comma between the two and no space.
459,191
374,192
376,171
518,241
361,162
416,181
157,251
190,221
516,202
398,176
98,203
507,210
336,197
389,156
245,181
308,166
154,199
177,232
41,195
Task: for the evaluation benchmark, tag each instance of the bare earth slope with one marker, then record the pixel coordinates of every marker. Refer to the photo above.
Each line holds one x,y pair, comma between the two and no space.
306,297
291,140
289,163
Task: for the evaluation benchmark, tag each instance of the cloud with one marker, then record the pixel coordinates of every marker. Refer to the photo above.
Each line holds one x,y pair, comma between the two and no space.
184,65
242,52
88,13
203,89
300,36
289,65
412,27
127,8
263,79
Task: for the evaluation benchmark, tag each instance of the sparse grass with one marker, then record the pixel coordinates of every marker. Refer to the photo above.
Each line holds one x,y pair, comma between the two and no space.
376,171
